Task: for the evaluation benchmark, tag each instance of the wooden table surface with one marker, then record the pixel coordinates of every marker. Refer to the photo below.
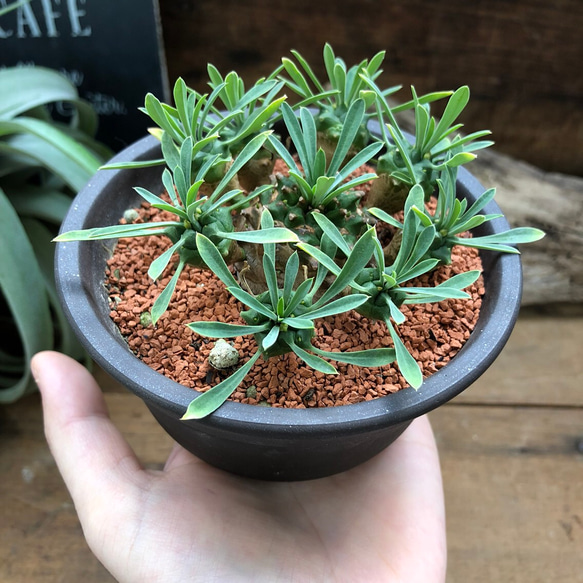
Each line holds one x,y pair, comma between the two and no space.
511,451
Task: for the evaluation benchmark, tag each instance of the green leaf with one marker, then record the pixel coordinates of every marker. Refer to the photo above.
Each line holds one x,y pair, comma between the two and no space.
385,217
224,330
116,231
24,292
406,363
214,260
161,303
159,264
350,127
44,154
23,89
298,297
210,401
291,272
314,361
341,305
355,263
263,236
369,358
270,338
252,302
332,232
299,323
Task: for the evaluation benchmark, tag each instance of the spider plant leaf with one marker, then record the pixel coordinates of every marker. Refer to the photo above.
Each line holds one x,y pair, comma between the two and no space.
455,105
283,153
361,158
224,330
329,60
40,203
500,241
250,149
271,278
210,401
369,358
292,70
130,165
297,137
49,134
308,70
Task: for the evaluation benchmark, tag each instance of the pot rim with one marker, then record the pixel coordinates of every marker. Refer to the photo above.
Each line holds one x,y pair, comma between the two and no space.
107,349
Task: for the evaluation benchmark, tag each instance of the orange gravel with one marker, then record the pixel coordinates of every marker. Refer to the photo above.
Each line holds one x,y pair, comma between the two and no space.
433,333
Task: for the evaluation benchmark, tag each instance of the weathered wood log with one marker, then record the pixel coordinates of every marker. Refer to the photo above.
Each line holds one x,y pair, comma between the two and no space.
553,267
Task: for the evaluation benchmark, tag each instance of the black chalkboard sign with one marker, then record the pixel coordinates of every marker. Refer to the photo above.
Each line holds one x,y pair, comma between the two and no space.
111,49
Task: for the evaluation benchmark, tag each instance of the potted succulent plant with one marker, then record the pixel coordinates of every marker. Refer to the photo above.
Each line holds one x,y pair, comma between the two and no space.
295,247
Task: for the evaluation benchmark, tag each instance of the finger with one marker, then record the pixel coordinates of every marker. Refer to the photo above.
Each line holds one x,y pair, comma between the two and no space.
93,457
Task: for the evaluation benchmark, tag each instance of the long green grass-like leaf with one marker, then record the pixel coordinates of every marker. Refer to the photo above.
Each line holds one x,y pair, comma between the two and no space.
24,292
161,303
355,263
338,306
312,360
265,236
214,260
23,89
210,401
48,133
64,337
39,203
406,363
370,358
225,330
44,155
116,231
252,302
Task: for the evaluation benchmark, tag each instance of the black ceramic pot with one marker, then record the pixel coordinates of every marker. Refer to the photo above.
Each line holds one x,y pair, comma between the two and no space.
261,442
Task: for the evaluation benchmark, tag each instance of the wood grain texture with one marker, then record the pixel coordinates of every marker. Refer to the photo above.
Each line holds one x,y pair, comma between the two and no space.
514,502
520,59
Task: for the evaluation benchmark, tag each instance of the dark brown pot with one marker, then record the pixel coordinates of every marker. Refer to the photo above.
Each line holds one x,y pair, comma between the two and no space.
261,442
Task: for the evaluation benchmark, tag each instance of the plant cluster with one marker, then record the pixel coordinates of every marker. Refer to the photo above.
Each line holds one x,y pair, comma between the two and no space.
309,238
43,164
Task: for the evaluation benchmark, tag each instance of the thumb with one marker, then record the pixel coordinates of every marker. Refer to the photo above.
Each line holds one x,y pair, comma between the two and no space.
92,455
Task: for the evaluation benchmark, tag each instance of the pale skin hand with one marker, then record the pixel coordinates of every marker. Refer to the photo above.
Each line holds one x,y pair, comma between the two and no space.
381,522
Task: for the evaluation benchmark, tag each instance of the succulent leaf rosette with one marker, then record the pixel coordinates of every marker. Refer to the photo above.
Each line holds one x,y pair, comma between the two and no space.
310,237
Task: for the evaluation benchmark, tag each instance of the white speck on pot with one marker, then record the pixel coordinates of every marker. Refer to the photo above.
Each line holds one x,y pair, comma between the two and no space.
223,355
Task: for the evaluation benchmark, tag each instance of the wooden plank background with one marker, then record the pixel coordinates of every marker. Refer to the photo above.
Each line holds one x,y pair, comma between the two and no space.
511,451
521,59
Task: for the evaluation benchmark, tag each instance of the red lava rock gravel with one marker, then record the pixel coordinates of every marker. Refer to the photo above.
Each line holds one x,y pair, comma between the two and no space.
433,332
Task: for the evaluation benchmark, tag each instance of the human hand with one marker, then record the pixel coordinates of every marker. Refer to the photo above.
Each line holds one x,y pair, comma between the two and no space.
380,522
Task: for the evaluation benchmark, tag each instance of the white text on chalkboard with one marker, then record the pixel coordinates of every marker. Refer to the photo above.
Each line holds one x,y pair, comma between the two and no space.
48,20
